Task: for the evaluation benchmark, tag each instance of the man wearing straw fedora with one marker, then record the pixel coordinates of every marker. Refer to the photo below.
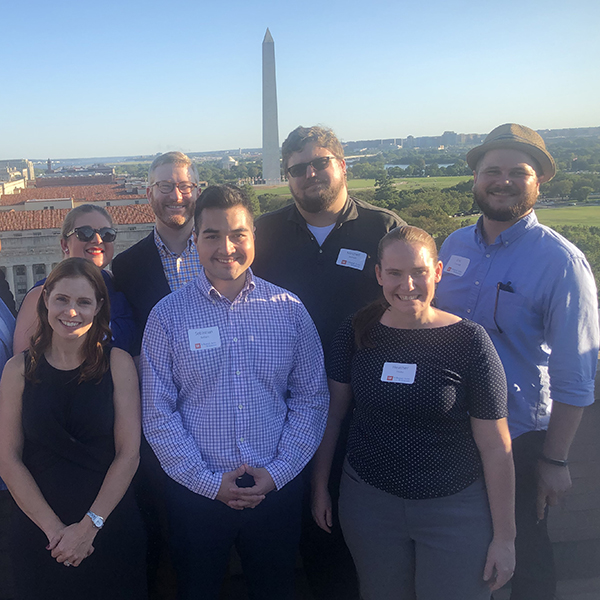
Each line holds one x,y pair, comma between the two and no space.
535,294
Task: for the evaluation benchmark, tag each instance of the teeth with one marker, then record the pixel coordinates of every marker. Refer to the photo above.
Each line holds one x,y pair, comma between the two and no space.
70,323
408,297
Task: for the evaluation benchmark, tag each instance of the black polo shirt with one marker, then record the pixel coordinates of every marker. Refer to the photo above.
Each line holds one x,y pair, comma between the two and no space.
288,255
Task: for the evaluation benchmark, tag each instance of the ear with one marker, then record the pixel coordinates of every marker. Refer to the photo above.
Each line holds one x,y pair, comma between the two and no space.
45,296
343,164
378,275
439,269
149,193
99,306
195,237
64,246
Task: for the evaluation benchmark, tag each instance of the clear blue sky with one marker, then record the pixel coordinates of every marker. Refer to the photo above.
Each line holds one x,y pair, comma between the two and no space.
130,77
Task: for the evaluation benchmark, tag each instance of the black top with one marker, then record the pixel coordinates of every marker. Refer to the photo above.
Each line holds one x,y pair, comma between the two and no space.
414,440
139,274
288,255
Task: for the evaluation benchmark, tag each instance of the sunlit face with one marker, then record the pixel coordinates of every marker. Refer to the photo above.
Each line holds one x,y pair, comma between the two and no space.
72,306
225,243
96,251
408,274
316,190
175,210
506,185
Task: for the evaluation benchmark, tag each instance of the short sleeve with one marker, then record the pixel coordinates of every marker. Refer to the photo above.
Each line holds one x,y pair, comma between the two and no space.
486,389
339,362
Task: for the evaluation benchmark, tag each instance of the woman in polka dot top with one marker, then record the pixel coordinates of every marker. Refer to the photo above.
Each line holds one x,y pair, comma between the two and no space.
427,494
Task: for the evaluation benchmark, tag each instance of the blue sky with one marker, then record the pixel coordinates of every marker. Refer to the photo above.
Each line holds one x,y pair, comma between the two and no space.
126,78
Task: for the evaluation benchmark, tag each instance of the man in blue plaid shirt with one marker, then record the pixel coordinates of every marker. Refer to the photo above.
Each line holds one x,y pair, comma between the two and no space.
235,404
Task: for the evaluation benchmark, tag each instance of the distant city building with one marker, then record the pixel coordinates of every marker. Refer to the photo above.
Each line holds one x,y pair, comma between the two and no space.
227,162
94,174
22,166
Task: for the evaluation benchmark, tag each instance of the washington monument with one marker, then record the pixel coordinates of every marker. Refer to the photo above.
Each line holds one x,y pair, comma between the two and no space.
270,153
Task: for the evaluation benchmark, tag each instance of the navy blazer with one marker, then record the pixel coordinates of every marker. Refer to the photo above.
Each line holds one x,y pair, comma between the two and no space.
138,273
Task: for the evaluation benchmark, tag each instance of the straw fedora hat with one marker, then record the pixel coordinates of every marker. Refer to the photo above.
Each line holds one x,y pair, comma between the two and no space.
516,137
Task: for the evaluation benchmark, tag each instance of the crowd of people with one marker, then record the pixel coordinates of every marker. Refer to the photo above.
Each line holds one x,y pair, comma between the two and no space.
401,419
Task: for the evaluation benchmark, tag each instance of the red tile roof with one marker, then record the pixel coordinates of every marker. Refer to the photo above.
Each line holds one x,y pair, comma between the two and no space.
25,220
79,193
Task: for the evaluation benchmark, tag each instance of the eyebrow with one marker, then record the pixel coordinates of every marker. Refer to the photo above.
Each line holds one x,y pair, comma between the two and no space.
239,230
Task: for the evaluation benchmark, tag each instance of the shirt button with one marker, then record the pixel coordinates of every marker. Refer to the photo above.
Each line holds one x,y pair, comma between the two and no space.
237,372
469,310
477,283
487,255
320,251
240,406
506,243
231,307
241,439
235,339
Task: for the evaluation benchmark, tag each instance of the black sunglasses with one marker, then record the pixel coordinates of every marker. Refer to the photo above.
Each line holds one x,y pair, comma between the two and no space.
318,164
87,233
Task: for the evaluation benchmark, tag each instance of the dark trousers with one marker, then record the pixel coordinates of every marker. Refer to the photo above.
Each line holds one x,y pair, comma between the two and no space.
535,577
202,532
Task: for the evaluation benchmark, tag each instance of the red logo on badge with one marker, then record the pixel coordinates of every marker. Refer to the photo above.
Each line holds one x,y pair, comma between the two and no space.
198,346
390,378
343,262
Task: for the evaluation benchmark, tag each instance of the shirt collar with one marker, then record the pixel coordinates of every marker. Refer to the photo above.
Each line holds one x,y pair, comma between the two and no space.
514,232
349,213
207,289
160,245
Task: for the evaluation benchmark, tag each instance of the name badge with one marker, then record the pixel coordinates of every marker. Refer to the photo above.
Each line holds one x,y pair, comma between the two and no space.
398,372
204,339
355,259
457,265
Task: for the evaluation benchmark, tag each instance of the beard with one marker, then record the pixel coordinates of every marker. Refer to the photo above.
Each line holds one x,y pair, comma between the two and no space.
316,198
522,204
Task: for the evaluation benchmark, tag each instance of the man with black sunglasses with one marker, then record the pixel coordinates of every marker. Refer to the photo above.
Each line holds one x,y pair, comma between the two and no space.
535,294
323,247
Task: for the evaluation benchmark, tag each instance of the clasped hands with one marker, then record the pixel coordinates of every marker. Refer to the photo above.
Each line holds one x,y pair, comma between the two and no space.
239,498
71,544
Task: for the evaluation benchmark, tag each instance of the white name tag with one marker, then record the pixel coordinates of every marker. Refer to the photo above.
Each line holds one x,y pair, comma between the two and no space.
355,259
204,339
399,373
457,265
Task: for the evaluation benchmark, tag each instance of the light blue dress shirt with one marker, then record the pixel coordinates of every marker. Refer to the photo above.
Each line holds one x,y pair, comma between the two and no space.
227,383
535,294
7,329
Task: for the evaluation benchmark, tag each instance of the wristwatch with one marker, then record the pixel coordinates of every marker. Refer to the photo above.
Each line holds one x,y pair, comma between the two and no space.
97,520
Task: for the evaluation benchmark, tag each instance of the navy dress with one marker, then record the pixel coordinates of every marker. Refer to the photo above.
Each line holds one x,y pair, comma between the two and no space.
68,448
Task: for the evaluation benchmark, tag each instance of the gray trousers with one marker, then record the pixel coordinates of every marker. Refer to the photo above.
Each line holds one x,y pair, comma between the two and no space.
433,549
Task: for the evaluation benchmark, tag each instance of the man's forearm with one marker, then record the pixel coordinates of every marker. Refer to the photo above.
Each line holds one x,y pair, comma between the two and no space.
562,428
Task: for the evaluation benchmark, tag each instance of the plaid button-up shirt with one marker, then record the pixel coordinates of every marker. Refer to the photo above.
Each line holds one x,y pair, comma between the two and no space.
227,383
179,269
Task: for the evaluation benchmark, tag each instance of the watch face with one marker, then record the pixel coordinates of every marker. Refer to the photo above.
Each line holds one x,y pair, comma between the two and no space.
96,520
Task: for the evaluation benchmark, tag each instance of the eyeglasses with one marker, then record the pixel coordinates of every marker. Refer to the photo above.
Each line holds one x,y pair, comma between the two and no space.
505,287
87,233
166,187
318,164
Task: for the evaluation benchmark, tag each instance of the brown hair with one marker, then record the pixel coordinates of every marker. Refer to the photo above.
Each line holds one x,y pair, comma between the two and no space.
321,136
83,209
173,158
95,361
366,318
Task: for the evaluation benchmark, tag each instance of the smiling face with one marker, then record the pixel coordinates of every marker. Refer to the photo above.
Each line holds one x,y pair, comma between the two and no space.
408,274
96,251
317,190
225,243
174,210
72,306
506,185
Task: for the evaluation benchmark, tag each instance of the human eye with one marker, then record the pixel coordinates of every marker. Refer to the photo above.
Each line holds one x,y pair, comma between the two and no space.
85,301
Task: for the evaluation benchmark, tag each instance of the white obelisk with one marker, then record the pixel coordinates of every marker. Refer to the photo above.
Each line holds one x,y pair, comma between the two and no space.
270,154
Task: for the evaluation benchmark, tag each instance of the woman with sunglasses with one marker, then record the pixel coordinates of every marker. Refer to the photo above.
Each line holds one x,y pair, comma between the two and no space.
70,429
427,493
87,232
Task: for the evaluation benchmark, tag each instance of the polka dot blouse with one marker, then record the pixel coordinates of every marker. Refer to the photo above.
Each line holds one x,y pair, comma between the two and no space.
414,440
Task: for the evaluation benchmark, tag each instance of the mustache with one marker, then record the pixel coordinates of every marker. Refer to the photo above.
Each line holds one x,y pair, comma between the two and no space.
512,189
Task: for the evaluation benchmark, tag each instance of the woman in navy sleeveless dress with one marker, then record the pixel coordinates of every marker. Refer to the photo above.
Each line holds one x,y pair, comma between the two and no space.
69,446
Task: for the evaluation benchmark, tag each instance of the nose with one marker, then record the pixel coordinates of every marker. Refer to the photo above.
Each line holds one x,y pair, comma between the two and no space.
97,239
228,246
310,171
408,283
176,194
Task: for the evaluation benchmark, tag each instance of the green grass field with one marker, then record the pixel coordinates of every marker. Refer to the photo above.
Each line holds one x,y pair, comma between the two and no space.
406,183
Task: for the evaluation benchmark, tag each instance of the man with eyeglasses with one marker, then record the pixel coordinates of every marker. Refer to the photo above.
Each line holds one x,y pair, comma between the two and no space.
323,247
535,294
157,265
166,259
